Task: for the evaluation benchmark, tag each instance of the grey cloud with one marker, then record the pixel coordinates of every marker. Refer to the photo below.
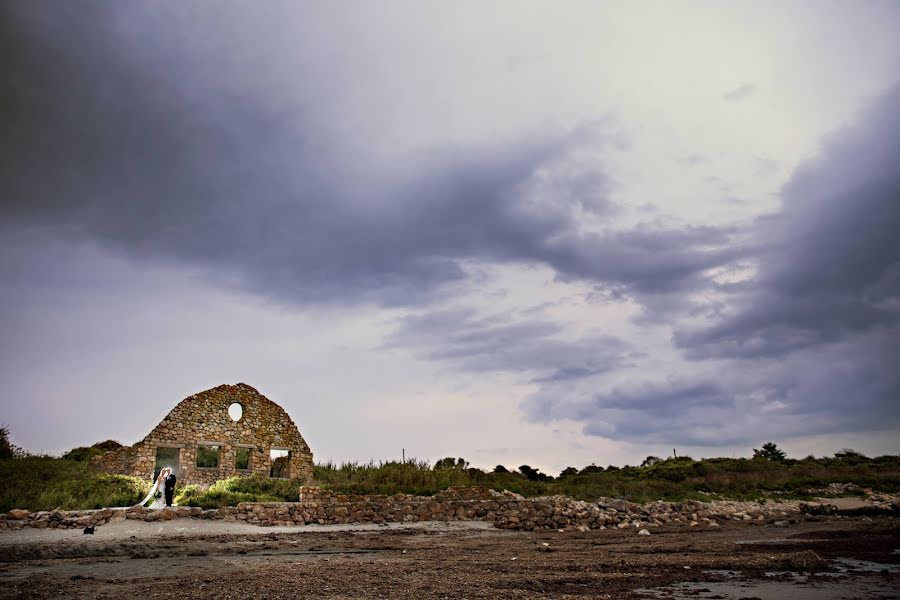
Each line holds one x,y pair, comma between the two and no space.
811,343
693,160
849,386
500,343
741,92
829,259
180,155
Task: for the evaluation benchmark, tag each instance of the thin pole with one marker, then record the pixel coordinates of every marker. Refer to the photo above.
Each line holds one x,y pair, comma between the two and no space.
404,456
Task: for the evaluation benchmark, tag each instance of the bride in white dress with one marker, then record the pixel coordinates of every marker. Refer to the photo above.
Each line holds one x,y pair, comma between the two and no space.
156,491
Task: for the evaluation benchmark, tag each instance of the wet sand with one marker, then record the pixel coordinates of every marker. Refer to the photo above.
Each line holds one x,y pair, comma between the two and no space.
208,559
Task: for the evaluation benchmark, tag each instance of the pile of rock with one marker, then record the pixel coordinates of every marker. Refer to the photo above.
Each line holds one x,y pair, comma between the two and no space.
140,513
559,512
872,505
60,519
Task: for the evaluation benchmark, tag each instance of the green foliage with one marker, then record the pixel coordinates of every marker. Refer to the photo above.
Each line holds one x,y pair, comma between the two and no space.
650,461
231,491
8,450
770,451
413,477
83,453
671,479
207,456
532,474
848,456
46,483
451,463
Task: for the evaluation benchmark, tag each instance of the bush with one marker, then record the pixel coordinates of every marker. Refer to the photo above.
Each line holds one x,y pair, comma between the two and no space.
46,483
770,451
83,454
8,450
231,491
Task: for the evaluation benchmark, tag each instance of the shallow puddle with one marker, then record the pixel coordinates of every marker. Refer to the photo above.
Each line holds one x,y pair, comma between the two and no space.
851,580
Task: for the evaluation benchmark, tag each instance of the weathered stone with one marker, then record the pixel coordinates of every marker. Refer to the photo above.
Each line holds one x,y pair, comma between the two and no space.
18,513
203,418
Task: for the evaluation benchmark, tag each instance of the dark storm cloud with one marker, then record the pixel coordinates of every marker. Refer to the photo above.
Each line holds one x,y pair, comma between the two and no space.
150,134
498,343
811,343
849,386
829,265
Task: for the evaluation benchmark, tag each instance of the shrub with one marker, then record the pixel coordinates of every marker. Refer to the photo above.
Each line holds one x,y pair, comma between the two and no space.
47,483
769,451
232,491
8,450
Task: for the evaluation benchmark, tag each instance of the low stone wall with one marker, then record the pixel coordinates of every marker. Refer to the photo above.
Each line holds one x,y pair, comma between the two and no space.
505,510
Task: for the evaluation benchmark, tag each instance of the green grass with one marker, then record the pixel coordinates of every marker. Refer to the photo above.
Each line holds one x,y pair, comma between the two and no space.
672,479
231,491
45,483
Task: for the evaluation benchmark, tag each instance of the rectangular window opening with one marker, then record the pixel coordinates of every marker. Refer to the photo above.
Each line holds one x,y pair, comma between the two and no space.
281,463
242,459
208,456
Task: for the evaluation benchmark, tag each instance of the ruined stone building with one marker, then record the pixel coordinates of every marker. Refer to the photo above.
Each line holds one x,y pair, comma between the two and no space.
226,431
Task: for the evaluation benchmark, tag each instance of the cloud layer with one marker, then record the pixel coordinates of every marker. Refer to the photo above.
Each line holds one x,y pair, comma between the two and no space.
317,160
809,342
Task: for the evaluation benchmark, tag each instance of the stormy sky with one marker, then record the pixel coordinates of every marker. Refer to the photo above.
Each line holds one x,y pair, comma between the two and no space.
518,232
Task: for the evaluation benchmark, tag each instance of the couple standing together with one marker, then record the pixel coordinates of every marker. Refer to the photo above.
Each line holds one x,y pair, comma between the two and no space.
162,490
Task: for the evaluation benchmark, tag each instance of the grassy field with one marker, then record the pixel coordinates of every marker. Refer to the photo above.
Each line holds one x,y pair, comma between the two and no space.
46,483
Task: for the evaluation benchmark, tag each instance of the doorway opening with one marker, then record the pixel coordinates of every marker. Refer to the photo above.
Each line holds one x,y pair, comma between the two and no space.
167,457
281,463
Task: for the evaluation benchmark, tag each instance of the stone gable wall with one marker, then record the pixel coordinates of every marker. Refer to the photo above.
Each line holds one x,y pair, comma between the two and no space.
203,418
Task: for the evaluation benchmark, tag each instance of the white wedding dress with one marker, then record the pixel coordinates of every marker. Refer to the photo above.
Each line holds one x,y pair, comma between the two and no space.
159,502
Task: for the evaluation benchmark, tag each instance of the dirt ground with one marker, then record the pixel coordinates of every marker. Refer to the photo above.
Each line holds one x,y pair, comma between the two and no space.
829,558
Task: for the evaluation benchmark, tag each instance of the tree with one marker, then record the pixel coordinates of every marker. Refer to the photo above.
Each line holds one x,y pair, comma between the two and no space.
770,451
851,456
591,468
451,463
650,461
7,448
500,469
569,471
533,474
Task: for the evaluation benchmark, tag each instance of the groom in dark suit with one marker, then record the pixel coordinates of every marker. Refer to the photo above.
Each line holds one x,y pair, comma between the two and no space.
170,488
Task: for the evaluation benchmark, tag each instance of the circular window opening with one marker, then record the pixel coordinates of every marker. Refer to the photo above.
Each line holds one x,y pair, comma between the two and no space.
235,411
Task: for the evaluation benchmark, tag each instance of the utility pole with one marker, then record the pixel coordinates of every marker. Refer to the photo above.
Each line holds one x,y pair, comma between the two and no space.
404,456
674,455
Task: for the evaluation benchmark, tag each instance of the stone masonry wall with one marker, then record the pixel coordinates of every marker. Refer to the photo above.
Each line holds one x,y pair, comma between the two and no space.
505,510
203,419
